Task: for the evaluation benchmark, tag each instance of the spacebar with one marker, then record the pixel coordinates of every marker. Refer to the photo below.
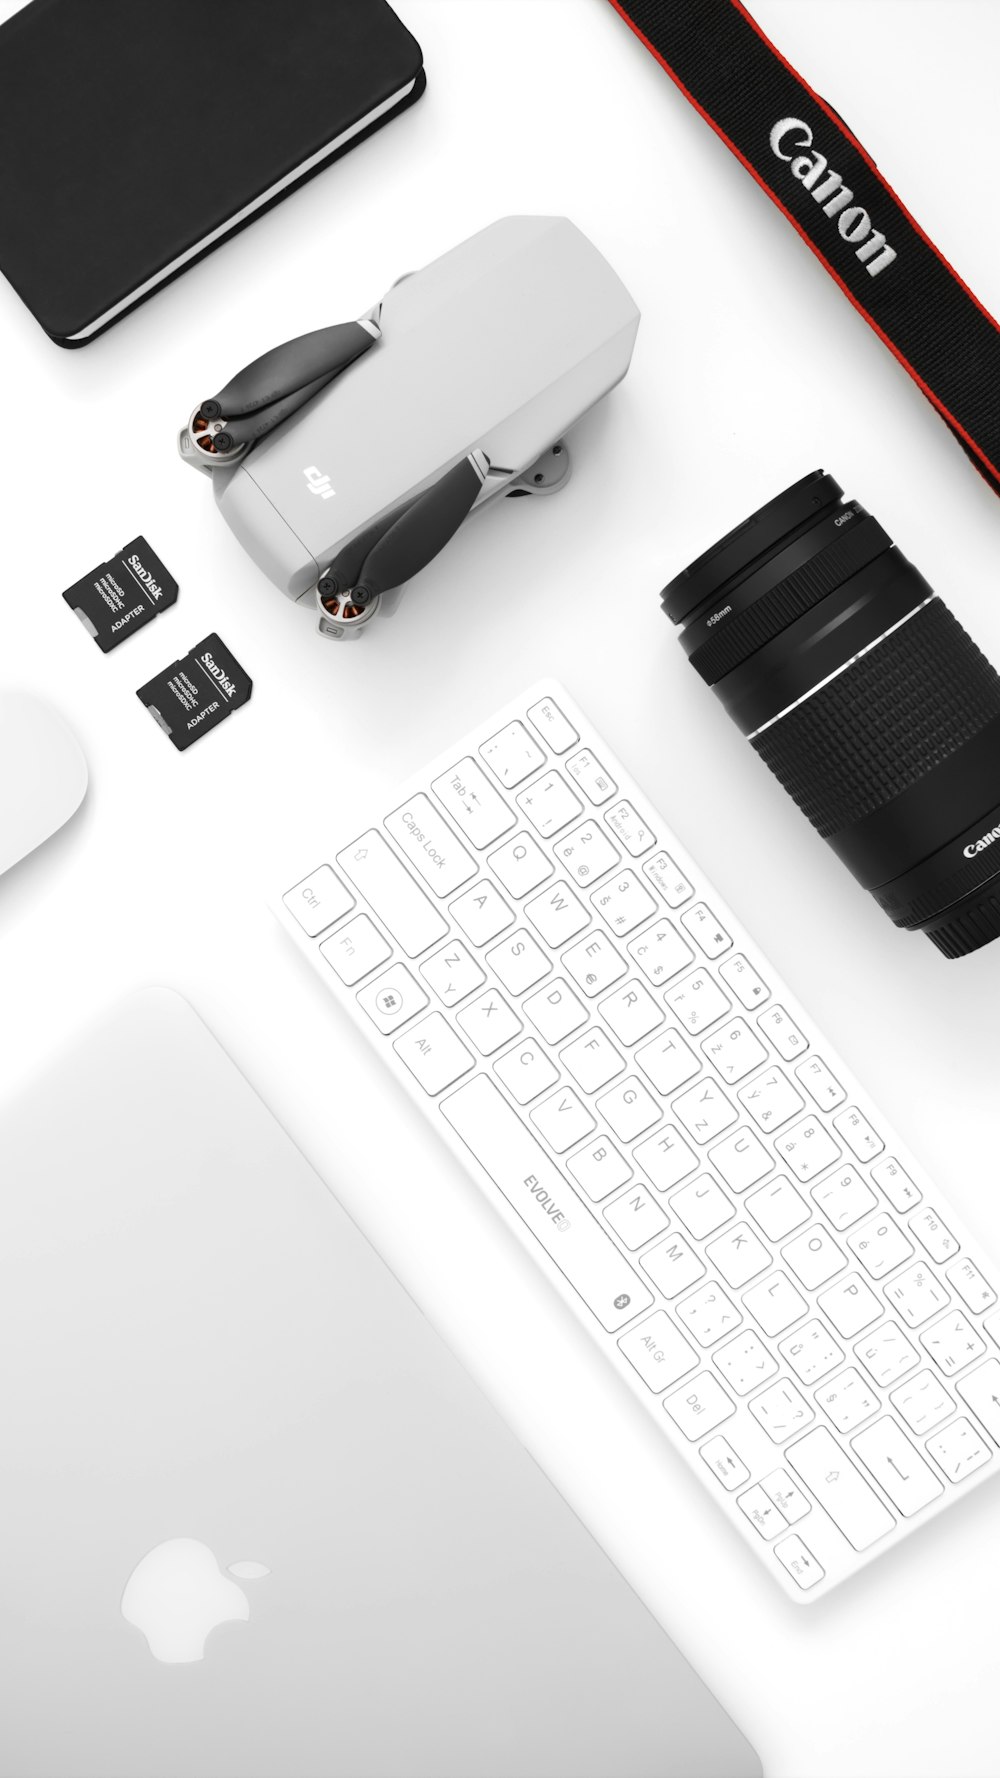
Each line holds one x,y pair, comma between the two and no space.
536,1189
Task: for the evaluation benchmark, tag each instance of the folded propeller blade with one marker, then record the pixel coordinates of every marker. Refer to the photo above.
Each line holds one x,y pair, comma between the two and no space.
284,370
423,529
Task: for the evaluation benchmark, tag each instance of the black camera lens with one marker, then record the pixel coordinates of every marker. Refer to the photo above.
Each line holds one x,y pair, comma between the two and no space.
864,695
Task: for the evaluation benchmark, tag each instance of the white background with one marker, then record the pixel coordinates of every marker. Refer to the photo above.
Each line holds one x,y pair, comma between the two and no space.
751,369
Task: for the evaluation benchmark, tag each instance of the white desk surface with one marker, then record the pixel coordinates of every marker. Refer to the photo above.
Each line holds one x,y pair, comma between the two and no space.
750,370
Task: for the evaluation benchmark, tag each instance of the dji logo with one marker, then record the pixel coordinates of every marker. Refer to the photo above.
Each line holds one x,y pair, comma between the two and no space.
319,483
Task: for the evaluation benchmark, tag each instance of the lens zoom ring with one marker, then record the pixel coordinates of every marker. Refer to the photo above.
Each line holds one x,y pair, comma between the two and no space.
884,722
734,641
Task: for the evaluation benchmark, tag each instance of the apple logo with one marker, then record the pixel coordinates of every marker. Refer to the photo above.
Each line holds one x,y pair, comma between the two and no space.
177,1594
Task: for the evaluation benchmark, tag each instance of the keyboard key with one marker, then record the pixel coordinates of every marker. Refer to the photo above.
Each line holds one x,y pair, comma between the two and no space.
840,1488
518,962
849,1400
814,1257
897,1185
808,1149
533,1186
762,1512
557,914
704,1111
631,1012
599,1169
775,1303
897,1466
711,938
526,1071
771,1100
658,1352
356,950
741,1159
742,979
967,1281
886,1354
628,1109
636,1219
660,953
489,1022
850,1305
745,1362
698,1002
781,1410
959,1450
673,1266
594,964
783,1032
589,775
482,913
738,1255
823,1088
699,1406
477,809
934,1237
880,1245
555,1011
667,1062
427,842
734,1051
844,1198
592,1060
628,826
392,998
587,854
520,865
953,1343
777,1208
668,880
702,1207
552,726
916,1295
923,1402
318,901
563,1120
722,1460
666,1158
854,1128
812,1353
453,973
550,804
800,1562
789,1499
433,1054
623,903
392,893
512,755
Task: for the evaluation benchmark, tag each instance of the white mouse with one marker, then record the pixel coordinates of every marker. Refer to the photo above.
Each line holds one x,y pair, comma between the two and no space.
43,775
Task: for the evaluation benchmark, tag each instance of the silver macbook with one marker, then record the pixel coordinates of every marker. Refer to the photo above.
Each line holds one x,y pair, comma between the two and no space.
257,1522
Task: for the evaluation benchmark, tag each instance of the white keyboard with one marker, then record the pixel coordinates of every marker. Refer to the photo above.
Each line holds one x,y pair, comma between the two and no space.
669,1135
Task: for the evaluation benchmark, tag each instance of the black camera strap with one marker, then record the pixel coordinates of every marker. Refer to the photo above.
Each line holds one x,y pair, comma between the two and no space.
816,171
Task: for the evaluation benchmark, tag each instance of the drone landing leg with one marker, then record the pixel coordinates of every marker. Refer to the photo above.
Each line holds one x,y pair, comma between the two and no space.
549,473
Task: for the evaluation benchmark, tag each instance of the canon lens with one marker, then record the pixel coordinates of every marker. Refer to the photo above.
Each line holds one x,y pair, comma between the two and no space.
864,695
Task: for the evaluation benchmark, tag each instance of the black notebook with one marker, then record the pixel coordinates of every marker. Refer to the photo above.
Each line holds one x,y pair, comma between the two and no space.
135,135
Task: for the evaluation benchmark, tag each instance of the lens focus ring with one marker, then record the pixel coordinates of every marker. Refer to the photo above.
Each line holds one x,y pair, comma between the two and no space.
740,636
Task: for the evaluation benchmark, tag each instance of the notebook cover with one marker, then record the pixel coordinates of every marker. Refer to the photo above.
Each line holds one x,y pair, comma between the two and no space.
130,130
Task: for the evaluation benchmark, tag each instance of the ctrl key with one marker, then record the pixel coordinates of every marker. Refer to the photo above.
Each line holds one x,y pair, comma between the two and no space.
800,1562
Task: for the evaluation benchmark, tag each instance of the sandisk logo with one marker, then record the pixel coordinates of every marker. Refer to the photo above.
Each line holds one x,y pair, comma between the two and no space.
792,141
217,673
981,845
319,483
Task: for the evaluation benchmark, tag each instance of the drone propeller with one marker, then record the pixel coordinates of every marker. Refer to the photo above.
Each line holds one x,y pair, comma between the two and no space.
290,367
411,541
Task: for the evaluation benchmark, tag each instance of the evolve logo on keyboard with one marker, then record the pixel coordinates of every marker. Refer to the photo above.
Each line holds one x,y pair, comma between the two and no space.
669,1137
